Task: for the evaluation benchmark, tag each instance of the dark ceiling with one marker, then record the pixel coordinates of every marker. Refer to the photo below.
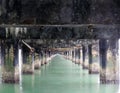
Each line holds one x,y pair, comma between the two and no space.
59,11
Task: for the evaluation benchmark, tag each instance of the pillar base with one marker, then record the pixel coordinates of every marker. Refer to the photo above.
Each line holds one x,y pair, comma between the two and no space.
94,68
28,69
42,63
77,61
10,76
45,62
74,60
104,81
109,77
93,72
48,59
85,66
37,64
71,58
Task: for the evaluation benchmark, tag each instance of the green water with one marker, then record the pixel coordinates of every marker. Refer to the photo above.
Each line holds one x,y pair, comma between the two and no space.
59,76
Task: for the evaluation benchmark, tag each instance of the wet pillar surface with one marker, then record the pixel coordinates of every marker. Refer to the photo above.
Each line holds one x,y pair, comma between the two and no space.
42,58
67,54
45,57
28,63
10,66
93,58
64,54
74,56
37,62
90,58
49,55
108,61
84,57
78,56
71,54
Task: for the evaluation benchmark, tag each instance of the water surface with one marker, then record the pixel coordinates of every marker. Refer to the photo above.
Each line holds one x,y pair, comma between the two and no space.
59,76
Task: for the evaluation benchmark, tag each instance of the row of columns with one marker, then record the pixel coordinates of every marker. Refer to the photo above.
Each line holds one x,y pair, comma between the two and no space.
14,61
98,57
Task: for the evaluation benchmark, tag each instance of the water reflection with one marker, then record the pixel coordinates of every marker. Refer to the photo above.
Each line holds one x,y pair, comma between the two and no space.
60,76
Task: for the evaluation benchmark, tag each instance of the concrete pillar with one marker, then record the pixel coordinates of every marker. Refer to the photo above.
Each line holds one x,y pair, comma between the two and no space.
90,57
69,54
10,66
28,63
81,56
78,56
85,57
74,59
42,58
37,62
49,55
109,71
66,55
73,55
93,56
45,57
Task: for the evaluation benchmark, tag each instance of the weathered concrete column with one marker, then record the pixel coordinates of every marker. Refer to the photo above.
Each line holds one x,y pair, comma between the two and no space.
28,63
85,57
45,57
76,55
42,58
74,60
10,66
79,56
90,57
73,55
67,54
49,55
93,62
108,50
70,55
37,62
